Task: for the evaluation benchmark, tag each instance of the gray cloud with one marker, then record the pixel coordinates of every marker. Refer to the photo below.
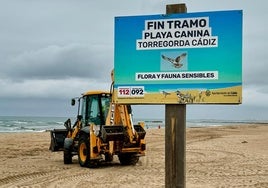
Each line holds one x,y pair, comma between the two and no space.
50,88
57,62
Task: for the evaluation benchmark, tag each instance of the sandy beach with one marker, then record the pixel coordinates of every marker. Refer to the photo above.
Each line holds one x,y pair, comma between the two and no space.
230,156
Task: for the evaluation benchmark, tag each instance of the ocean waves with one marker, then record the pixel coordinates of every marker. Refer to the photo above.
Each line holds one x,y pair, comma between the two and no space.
41,124
30,124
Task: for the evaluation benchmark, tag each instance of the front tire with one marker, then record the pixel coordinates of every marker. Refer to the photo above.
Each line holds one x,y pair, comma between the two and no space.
67,151
108,157
67,156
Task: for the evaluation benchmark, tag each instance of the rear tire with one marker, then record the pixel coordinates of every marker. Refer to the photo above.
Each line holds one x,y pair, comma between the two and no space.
128,159
84,151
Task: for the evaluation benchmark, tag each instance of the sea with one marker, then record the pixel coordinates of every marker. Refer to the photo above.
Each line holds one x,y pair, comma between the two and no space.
10,124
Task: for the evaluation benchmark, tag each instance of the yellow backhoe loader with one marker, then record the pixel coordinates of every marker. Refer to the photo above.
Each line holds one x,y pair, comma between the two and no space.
103,129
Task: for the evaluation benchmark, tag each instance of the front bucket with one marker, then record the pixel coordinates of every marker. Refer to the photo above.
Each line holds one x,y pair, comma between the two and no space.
57,137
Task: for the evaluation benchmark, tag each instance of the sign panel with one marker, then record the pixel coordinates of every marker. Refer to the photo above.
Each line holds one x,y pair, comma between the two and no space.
179,58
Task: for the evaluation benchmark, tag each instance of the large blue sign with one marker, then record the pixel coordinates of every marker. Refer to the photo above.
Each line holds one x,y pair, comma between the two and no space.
179,58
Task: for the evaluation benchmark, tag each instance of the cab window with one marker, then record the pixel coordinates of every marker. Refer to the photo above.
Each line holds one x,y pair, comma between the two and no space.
105,105
94,110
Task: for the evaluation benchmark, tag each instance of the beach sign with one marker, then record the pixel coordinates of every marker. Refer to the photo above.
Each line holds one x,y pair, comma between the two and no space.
189,58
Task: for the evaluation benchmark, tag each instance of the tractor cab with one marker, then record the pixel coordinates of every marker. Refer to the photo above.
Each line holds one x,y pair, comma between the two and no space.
94,107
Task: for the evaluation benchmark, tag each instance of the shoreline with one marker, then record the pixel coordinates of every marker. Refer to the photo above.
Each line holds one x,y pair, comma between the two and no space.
150,127
41,124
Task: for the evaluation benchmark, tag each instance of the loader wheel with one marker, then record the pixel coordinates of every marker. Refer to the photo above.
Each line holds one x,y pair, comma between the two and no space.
109,157
84,151
67,156
128,158
67,151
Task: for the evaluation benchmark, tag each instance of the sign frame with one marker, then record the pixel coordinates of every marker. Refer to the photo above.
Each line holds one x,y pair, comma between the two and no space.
149,69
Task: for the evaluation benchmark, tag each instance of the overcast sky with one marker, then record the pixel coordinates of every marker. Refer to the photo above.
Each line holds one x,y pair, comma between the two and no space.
53,50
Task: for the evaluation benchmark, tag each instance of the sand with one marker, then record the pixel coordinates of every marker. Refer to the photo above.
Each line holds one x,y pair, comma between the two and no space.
233,156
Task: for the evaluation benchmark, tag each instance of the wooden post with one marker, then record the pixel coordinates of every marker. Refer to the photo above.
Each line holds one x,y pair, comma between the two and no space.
175,131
